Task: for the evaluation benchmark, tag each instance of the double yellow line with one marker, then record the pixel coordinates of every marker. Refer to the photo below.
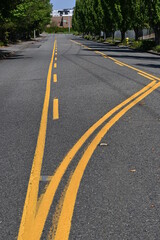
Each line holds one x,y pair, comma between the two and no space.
36,211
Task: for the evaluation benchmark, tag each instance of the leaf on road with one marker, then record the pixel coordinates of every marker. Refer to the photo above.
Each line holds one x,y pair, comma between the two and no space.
103,144
132,170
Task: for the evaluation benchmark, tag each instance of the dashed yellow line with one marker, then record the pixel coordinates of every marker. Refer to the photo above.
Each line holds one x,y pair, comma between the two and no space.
55,109
54,78
55,65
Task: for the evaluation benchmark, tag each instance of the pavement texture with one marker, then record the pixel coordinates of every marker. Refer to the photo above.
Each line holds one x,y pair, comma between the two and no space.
119,194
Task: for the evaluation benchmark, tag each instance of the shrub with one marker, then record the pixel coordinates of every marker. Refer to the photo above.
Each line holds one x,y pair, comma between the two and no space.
101,40
137,44
143,45
1,44
147,44
76,33
88,37
157,48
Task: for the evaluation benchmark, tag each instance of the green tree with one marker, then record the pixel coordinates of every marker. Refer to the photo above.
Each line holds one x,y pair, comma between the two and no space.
153,7
6,6
79,17
88,16
19,18
112,16
98,16
32,14
125,22
138,16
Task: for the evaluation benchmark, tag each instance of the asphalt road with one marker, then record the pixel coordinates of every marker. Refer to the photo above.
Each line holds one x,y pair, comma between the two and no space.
70,167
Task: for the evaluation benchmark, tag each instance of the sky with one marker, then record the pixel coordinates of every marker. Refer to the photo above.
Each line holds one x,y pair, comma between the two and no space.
60,4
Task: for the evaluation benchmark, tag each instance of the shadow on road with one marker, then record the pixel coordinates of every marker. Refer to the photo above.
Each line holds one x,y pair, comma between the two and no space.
122,52
6,55
148,65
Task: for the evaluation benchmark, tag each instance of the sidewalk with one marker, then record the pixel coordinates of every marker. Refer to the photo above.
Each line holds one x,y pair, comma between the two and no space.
11,49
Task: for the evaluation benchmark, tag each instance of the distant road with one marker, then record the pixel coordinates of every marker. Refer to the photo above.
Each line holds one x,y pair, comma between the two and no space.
80,142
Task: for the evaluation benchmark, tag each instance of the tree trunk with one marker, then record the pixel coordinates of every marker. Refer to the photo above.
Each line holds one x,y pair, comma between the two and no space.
136,30
122,35
157,35
113,35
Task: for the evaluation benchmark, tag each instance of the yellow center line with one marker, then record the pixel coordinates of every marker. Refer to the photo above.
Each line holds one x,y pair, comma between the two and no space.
87,47
119,64
98,52
76,42
48,196
144,75
55,65
80,44
135,69
29,211
54,78
55,109
64,222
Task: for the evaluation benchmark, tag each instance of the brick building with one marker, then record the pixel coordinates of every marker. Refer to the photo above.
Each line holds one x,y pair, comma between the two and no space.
62,18
62,21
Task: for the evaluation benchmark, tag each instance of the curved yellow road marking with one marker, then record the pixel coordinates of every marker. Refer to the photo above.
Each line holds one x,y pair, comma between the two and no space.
145,76
29,210
124,64
120,64
64,223
47,198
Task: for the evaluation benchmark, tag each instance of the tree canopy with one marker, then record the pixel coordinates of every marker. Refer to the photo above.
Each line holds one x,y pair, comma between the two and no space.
19,18
93,16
